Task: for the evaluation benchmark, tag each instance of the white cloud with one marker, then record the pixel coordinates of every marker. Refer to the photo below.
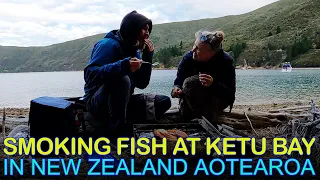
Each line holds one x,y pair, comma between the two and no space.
45,22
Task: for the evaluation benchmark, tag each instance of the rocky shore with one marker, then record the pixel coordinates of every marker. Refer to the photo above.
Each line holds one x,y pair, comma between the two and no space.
17,116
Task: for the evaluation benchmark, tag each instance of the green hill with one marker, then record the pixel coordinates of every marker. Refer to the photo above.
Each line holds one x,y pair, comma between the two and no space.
287,30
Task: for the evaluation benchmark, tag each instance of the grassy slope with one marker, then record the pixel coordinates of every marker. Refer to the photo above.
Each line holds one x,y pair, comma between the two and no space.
295,18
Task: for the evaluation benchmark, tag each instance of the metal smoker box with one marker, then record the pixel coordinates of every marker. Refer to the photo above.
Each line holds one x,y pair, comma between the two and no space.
201,128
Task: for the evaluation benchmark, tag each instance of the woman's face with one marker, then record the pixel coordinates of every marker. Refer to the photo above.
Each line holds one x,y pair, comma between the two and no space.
144,33
202,52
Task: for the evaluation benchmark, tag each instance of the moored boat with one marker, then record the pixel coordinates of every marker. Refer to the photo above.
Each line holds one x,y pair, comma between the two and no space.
286,67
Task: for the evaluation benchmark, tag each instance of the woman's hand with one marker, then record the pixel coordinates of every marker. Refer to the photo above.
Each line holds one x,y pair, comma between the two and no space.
149,45
176,92
205,79
135,64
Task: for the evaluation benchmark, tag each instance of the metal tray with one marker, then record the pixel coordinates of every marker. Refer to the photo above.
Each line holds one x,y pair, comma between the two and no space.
202,127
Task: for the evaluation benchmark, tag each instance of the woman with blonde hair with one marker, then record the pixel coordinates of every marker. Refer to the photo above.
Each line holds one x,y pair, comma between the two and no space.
206,79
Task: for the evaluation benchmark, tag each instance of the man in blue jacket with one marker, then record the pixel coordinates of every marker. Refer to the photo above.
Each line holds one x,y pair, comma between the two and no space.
117,66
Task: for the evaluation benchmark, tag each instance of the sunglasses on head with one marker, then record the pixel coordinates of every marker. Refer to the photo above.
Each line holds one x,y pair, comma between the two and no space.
204,39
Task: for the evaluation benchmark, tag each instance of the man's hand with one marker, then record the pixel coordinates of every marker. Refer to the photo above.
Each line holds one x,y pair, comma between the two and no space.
176,92
205,79
135,64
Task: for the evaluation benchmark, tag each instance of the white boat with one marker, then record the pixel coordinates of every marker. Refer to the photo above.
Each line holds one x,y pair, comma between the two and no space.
286,67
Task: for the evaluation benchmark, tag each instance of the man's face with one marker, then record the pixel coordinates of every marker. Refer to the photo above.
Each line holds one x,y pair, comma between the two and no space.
144,33
202,51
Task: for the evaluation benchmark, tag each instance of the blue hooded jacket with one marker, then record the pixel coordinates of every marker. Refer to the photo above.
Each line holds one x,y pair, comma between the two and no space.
110,56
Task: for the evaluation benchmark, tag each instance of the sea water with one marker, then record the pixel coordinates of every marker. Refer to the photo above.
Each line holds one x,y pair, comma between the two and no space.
253,86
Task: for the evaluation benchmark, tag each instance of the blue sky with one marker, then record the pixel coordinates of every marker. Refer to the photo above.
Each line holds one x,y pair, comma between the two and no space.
46,22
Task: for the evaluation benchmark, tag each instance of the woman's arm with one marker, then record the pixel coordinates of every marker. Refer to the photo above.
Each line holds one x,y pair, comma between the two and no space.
183,70
143,75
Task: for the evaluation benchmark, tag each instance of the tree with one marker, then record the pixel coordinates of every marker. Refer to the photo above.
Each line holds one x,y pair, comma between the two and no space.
278,30
272,46
237,49
270,34
289,53
317,41
299,47
166,55
304,45
180,44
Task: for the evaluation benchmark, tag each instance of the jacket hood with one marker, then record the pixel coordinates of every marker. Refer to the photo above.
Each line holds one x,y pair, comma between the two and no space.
131,26
114,34
126,48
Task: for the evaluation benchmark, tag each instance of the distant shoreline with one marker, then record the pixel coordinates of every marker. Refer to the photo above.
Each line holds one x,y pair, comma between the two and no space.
172,68
262,68
308,68
253,68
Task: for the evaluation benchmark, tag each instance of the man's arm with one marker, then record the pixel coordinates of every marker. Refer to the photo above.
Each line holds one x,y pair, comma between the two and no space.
104,62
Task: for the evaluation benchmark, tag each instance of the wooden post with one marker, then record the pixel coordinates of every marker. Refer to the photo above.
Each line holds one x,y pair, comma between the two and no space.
3,124
294,128
251,124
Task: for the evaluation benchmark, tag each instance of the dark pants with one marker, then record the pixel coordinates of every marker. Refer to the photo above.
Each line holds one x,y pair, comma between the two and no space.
198,101
116,109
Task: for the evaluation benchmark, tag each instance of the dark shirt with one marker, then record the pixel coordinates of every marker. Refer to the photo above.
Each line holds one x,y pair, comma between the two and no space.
220,67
